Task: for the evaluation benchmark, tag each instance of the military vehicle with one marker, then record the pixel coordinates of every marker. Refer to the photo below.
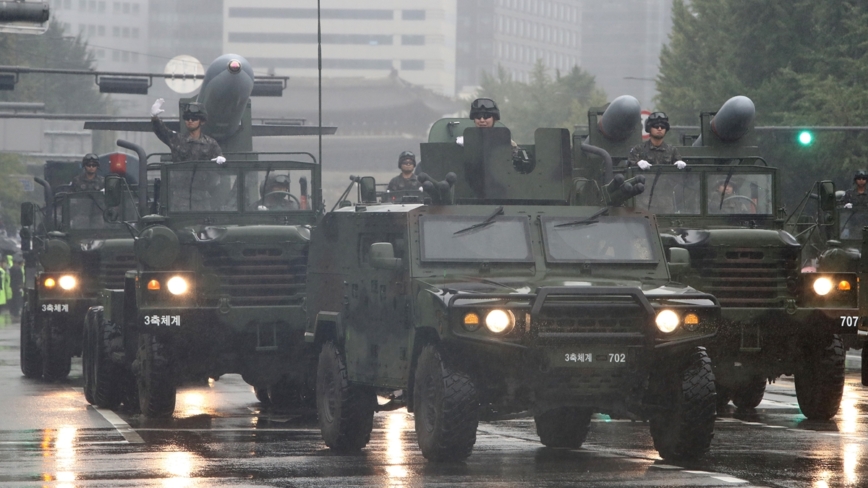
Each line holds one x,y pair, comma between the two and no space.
221,258
505,289
725,209
70,253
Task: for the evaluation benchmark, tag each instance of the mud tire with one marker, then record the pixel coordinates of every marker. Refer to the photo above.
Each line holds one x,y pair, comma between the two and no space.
819,388
31,356
56,356
102,378
261,393
155,380
565,427
445,407
749,394
685,426
345,411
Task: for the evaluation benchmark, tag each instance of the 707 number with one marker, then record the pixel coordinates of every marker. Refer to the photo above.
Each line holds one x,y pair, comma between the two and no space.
849,320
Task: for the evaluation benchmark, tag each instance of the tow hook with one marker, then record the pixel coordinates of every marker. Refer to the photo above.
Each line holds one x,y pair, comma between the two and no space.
791,306
223,305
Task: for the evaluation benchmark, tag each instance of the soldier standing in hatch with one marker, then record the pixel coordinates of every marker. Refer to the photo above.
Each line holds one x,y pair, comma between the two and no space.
88,180
654,150
196,146
858,195
407,179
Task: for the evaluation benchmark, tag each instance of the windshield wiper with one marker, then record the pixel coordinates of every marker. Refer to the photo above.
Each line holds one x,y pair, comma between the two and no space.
488,221
725,184
653,186
586,220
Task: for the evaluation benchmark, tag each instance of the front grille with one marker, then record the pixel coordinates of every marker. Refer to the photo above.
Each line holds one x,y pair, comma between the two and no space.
257,277
590,314
112,270
746,277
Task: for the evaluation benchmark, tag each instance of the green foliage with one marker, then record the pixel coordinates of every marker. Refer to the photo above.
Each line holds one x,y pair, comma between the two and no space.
546,101
11,193
60,93
802,62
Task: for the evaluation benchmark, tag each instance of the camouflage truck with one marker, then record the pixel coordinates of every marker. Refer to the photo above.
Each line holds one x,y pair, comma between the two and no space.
504,289
218,287
726,209
71,251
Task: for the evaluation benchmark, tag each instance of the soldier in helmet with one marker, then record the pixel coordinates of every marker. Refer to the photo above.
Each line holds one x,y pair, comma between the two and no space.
88,180
654,150
858,195
275,194
196,146
407,179
484,113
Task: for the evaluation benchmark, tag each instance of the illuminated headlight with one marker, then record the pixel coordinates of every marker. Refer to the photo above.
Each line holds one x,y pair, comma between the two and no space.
67,282
49,283
500,321
177,285
822,286
667,321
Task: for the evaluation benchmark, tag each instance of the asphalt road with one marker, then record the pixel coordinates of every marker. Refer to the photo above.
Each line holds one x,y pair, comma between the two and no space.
221,436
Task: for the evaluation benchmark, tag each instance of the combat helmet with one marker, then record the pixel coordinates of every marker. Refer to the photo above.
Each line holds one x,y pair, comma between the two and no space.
195,109
860,174
406,155
656,118
88,158
484,106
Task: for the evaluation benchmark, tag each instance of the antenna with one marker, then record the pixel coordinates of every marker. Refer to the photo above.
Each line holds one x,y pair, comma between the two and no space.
319,78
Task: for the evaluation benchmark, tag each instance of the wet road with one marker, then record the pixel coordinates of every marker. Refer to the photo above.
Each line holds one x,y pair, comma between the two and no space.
220,436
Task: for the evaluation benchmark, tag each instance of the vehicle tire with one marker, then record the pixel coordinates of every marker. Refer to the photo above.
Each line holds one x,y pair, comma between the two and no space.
156,383
345,411
445,407
683,429
864,359
820,385
261,393
749,394
31,356
56,357
102,378
565,427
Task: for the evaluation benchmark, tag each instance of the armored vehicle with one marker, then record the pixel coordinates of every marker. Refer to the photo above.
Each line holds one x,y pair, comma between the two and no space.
726,209
218,288
71,251
505,289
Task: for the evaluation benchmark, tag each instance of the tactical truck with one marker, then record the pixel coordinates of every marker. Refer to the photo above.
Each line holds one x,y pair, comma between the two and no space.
502,289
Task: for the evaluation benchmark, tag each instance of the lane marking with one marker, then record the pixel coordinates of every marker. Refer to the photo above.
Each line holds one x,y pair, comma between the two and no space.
729,479
122,427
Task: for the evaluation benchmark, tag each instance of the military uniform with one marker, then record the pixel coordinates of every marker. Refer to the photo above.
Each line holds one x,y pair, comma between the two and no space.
662,154
399,183
857,199
81,183
186,149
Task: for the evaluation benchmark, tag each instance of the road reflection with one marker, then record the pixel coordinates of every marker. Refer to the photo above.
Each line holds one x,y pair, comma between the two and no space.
59,445
179,466
396,469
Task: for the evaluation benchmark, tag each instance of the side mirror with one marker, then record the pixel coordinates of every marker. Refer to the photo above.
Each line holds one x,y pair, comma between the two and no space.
113,190
827,196
28,213
679,260
368,189
111,214
345,203
382,256
25,234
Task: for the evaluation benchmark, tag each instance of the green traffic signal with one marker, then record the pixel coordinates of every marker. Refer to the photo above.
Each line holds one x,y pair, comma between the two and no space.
805,138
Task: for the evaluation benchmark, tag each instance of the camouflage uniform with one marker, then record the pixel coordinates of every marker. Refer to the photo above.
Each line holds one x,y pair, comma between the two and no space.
663,154
81,183
857,199
186,149
399,183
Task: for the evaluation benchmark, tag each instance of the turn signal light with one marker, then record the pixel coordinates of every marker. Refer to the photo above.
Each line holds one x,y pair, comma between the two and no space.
50,283
153,285
844,286
471,321
691,319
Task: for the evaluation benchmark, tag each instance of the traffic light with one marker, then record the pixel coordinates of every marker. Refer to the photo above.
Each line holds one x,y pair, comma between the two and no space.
805,137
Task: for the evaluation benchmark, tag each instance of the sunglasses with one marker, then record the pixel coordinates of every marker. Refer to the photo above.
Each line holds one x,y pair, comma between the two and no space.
861,178
409,161
193,117
92,164
658,126
482,116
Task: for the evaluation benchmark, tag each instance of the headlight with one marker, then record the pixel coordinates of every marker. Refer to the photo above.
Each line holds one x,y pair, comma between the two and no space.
67,282
177,285
500,321
667,321
49,283
822,286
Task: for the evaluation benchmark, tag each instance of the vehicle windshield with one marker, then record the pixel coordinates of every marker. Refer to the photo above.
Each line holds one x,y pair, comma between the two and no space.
86,210
851,221
611,239
671,193
276,190
202,188
505,239
739,193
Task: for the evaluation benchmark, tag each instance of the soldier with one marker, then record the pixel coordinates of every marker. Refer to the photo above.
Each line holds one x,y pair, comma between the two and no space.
275,194
16,280
407,179
484,113
857,196
654,150
196,146
88,180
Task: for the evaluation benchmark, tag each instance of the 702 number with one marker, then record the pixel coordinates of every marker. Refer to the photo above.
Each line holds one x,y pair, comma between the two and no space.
617,358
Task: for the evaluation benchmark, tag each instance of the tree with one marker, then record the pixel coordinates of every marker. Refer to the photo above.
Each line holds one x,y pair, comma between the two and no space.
11,193
546,101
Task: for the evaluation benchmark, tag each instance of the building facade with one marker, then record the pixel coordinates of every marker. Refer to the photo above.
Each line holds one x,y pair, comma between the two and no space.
415,38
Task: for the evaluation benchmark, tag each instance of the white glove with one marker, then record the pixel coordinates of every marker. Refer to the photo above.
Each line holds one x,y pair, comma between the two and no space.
848,205
219,160
459,140
643,165
156,108
680,164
